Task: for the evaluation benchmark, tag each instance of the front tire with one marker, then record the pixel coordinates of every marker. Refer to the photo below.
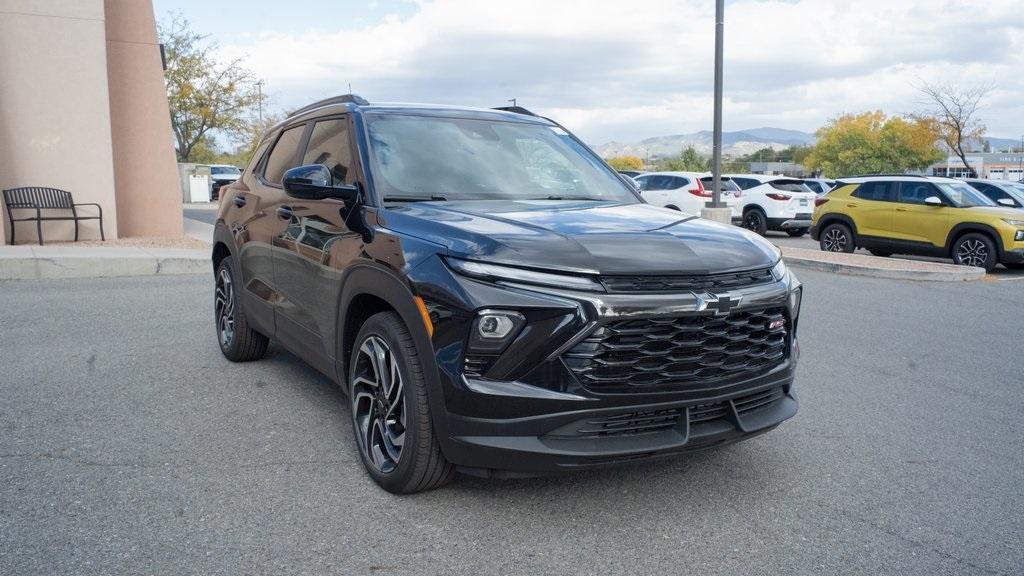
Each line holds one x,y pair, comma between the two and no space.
975,250
837,238
390,414
755,221
238,342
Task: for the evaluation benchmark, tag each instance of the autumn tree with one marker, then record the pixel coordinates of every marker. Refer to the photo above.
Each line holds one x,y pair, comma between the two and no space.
955,112
871,143
205,95
626,163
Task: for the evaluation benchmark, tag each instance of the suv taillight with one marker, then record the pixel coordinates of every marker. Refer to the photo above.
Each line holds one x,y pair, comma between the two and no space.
700,191
819,201
775,196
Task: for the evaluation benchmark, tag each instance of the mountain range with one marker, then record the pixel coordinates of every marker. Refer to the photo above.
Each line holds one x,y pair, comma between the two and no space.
734,144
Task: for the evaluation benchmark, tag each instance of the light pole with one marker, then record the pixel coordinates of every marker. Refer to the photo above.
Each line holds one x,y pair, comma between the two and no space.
259,99
715,210
513,101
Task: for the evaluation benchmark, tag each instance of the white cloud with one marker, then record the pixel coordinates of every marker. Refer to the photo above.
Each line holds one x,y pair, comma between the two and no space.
627,70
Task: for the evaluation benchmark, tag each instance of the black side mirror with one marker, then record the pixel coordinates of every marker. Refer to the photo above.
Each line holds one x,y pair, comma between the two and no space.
313,182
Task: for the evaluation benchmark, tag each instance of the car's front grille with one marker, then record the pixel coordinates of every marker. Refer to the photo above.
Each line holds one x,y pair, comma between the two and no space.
657,420
686,283
679,353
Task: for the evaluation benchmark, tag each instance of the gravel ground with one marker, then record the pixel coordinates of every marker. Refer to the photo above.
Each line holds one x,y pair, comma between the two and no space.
128,445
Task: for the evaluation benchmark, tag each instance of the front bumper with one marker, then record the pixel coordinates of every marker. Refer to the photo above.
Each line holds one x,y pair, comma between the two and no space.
1013,256
601,437
535,416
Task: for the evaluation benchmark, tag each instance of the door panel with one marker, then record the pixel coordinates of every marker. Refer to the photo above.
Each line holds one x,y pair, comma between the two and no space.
313,248
915,221
871,208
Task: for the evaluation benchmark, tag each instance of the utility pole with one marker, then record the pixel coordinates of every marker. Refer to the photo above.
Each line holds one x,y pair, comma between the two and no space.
513,101
259,99
716,210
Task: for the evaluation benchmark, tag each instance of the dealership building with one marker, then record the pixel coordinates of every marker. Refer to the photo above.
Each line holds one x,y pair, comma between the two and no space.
995,165
83,108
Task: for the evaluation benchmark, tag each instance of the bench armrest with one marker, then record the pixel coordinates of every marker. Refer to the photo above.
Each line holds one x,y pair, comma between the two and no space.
98,207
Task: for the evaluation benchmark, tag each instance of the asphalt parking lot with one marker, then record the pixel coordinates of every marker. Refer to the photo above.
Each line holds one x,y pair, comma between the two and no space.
128,445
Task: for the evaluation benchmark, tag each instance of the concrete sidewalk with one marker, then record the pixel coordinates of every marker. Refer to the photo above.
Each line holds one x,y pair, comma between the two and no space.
38,262
877,267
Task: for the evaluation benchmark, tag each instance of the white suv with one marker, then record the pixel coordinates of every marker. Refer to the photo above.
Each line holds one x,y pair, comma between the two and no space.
686,191
775,203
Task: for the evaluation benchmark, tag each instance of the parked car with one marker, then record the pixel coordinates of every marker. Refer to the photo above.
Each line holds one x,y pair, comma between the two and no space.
686,191
819,185
222,174
493,298
924,215
630,173
775,203
1002,192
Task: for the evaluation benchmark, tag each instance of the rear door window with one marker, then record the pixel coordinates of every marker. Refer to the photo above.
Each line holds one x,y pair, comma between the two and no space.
879,191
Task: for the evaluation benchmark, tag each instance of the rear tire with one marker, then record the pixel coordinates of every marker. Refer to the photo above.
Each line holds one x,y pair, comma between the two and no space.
977,250
837,237
238,342
390,414
755,221
796,233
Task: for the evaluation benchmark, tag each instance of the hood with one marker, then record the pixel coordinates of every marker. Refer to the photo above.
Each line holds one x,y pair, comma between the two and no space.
584,237
998,211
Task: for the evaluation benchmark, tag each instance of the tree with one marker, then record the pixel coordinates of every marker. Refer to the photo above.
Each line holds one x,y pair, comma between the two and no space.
626,163
689,160
955,111
204,95
871,143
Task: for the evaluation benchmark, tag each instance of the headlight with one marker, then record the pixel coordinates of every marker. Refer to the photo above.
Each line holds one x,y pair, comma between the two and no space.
1019,236
779,270
1013,222
496,272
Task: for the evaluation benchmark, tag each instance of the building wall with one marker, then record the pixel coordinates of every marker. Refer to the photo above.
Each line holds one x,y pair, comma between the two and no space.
145,167
55,108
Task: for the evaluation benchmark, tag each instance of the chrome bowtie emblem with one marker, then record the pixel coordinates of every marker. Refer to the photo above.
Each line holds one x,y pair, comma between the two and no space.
720,304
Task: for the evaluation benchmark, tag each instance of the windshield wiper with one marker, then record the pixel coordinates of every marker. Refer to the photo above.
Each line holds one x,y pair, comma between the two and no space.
432,198
555,197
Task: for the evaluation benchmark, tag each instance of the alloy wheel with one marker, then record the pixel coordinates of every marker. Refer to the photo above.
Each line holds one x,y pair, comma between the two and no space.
752,221
972,252
225,307
835,240
378,404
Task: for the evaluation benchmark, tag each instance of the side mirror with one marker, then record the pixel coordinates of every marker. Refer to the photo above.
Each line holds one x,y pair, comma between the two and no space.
313,182
1007,202
933,201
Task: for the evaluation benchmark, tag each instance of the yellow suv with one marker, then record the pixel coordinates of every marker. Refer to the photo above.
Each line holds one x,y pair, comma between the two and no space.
923,215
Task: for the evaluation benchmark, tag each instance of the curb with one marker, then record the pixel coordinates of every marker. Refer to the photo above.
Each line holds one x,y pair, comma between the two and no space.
93,266
949,272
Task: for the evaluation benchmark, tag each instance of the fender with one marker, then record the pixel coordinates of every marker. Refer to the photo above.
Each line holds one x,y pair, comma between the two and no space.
829,218
377,280
964,227
222,235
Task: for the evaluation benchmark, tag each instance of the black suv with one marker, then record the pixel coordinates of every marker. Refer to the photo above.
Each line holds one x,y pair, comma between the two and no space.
495,299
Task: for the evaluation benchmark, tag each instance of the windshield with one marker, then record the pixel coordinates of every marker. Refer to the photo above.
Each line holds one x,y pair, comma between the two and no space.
428,157
963,196
225,170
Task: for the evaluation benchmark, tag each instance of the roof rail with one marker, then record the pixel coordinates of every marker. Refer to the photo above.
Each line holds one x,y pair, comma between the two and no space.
343,99
515,110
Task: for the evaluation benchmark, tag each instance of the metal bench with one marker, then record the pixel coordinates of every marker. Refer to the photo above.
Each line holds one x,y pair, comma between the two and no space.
39,199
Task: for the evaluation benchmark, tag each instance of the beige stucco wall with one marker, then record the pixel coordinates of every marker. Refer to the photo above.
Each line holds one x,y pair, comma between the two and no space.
145,168
55,108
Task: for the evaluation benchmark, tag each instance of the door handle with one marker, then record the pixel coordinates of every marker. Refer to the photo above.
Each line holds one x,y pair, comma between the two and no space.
901,209
851,205
239,201
284,212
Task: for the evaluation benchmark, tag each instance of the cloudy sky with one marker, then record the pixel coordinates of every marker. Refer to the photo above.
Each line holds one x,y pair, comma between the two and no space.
620,70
